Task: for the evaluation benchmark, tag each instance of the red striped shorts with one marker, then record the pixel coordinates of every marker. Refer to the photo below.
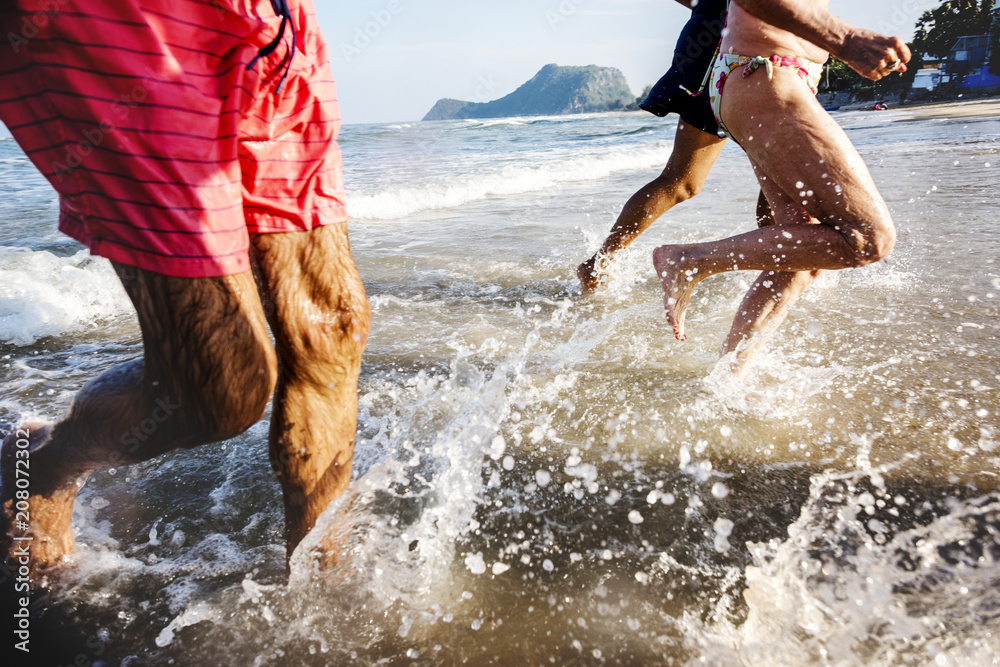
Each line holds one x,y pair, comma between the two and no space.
166,151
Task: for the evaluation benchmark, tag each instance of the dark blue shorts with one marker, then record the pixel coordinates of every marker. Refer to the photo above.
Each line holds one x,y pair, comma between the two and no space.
692,59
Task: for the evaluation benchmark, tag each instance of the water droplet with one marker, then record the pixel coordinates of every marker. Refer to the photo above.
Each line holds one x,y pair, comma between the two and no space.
475,563
497,447
723,527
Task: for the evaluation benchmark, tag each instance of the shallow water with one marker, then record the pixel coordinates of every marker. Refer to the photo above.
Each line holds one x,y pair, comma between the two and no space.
544,478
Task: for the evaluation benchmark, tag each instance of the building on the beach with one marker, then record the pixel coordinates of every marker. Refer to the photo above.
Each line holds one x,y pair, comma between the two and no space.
926,78
967,55
973,63
967,65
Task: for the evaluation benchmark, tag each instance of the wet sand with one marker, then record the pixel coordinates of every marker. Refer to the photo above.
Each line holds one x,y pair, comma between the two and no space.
979,108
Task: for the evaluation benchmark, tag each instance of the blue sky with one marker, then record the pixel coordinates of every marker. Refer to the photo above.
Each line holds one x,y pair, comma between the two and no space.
423,50
393,59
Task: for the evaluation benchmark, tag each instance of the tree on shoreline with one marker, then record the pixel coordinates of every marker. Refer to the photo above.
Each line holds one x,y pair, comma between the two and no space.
938,29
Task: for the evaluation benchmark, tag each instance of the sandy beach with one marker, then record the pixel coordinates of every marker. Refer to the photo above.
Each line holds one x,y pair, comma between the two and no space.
982,108
978,108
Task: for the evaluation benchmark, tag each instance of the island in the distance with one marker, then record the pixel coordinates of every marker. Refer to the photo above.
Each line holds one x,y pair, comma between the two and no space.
554,91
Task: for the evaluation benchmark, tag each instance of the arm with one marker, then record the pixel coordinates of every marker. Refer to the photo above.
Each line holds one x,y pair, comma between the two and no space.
866,52
807,19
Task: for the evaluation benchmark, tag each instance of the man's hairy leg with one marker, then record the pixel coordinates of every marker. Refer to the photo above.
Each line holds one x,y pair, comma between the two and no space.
690,161
320,317
206,375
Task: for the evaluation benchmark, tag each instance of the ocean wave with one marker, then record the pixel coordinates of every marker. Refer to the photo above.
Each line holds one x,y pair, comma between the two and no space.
395,203
42,294
476,123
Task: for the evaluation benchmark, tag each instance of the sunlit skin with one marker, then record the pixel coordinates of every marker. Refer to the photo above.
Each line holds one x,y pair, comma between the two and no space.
694,152
827,212
692,157
208,371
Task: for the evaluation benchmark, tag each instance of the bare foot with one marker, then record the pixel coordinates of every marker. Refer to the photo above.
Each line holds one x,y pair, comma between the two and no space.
678,280
594,272
34,505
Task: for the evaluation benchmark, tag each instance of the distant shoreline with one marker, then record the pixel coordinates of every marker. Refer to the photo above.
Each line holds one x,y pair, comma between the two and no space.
978,108
922,110
926,109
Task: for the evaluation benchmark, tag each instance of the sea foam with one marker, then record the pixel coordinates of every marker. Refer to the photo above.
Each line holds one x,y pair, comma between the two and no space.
42,294
456,191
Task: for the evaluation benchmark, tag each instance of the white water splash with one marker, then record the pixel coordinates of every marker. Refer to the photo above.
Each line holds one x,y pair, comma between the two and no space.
42,294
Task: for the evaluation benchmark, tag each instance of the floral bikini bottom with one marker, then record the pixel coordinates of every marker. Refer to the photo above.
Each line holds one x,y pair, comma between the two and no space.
725,63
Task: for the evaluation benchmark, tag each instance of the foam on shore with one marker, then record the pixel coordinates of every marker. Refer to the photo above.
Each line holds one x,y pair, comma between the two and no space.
42,294
453,192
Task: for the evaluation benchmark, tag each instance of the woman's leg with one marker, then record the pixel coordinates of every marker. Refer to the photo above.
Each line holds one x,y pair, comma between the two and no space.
692,158
798,149
769,299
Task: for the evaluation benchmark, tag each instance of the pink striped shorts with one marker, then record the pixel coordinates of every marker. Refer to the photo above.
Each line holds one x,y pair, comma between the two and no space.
165,149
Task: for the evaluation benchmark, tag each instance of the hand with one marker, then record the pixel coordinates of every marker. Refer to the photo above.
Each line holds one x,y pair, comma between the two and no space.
872,55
